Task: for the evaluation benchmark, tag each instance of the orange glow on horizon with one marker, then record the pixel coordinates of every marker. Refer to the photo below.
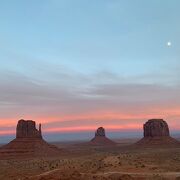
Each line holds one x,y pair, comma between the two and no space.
93,128
129,127
170,114
10,132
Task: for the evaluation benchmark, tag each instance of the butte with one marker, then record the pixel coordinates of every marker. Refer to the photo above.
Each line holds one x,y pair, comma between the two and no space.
28,142
100,138
156,133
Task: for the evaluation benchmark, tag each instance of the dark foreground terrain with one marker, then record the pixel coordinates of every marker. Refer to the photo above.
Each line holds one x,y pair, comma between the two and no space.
84,162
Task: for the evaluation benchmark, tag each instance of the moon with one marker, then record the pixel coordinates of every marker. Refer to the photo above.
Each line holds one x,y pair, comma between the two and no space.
169,43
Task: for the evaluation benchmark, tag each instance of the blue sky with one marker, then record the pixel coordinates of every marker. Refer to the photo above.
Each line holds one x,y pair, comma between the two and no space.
66,60
91,36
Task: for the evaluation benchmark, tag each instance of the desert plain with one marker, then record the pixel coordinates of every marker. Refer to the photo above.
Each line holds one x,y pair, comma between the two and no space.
156,156
78,160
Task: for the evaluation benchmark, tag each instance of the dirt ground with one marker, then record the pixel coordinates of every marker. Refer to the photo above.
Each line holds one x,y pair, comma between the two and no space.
84,162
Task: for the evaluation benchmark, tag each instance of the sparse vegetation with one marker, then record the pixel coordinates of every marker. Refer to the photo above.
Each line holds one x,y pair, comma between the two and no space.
99,164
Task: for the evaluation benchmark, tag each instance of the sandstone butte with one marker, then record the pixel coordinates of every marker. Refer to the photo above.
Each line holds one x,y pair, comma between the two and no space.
100,138
28,142
156,132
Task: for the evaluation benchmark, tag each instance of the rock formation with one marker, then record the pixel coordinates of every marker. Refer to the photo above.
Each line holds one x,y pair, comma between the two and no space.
156,128
156,132
101,139
28,142
27,129
100,132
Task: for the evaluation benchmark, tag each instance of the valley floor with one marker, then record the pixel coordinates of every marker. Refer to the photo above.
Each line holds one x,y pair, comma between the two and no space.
82,162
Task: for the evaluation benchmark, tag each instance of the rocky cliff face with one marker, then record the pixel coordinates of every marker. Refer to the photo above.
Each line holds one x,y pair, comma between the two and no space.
156,133
27,129
100,132
156,128
100,138
28,142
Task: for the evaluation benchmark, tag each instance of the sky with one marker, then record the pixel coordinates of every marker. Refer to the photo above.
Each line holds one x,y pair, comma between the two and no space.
76,65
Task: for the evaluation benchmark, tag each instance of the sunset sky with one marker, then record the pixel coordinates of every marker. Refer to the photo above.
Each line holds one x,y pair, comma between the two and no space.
75,65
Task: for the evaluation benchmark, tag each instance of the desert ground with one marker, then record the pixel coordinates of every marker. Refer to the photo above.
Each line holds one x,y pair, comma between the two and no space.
81,161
